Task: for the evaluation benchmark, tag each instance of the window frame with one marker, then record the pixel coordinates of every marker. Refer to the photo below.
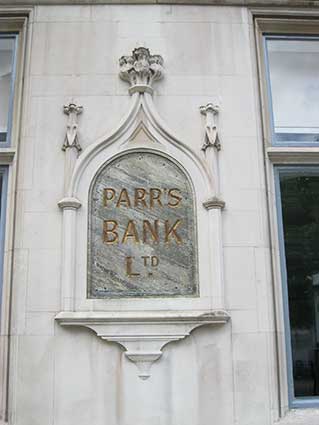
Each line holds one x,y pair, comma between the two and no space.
278,156
3,209
274,137
10,35
283,27
12,21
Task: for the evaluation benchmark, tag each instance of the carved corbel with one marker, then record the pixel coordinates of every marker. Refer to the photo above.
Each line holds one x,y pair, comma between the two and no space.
143,335
71,138
141,69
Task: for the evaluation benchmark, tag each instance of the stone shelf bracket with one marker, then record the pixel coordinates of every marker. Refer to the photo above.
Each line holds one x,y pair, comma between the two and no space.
142,335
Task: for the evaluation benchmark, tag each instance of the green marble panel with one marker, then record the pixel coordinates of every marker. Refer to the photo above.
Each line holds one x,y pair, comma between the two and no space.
142,229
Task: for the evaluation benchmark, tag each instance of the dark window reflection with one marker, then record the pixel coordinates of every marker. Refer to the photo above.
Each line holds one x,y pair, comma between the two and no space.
300,208
1,184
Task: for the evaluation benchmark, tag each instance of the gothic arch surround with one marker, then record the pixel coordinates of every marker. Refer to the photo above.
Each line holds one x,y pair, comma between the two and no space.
141,324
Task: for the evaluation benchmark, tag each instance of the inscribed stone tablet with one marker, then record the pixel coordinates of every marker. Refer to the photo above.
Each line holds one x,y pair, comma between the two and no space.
142,230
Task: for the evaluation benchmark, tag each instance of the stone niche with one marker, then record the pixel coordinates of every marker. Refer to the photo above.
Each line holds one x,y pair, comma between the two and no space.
142,229
142,241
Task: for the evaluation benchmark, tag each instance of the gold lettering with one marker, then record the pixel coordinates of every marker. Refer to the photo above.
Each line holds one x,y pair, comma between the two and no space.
108,195
123,199
155,195
109,234
175,196
129,267
171,231
139,197
153,231
154,261
130,232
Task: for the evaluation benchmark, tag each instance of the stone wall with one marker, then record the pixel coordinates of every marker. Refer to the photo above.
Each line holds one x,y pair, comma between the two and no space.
68,376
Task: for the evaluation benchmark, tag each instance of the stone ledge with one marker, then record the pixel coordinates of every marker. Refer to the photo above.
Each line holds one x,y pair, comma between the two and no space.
143,334
293,155
300,417
213,316
7,155
262,3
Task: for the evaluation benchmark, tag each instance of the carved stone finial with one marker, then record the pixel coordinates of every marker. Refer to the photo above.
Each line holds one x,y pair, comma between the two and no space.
141,69
71,138
211,138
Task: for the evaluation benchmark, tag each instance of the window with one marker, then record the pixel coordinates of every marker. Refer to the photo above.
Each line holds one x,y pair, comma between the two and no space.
8,43
12,41
298,204
7,71
3,199
293,84
289,68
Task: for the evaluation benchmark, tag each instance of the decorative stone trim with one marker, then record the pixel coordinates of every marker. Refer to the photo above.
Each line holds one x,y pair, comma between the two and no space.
212,138
143,334
307,416
143,326
71,138
267,3
7,155
69,204
141,69
140,88
214,203
293,155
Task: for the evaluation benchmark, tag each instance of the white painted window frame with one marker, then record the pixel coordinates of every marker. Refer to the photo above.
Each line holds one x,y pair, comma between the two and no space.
12,20
302,142
282,22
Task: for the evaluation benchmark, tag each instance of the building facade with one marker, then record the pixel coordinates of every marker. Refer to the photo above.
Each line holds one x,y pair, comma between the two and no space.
159,175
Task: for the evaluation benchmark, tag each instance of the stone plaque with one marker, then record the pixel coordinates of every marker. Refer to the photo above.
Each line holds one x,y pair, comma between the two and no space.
142,229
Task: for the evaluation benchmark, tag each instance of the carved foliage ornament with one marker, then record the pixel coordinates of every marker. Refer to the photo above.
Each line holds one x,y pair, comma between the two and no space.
141,68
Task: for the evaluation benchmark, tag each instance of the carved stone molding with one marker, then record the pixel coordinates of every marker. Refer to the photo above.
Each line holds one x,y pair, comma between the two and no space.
141,69
142,334
71,138
141,325
214,203
7,155
211,147
69,203
212,138
282,155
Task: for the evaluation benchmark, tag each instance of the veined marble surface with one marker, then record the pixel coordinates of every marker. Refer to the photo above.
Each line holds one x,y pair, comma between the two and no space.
142,230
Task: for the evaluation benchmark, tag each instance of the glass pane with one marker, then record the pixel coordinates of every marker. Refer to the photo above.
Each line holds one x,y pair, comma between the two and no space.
294,85
1,235
300,210
6,75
